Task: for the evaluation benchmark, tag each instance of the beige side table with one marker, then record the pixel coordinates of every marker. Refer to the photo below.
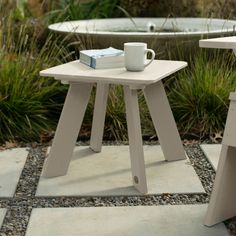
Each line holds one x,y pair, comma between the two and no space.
222,204
81,79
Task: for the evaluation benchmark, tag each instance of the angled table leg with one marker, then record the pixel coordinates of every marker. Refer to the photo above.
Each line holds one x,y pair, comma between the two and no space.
135,140
67,130
222,205
99,117
164,122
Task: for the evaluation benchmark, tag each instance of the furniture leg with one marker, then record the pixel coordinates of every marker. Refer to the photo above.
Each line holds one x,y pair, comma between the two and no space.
222,204
135,140
230,127
99,117
164,122
67,130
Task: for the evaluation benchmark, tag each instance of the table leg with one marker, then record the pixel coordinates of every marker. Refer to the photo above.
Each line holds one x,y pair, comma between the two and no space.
99,117
164,122
222,204
135,140
67,130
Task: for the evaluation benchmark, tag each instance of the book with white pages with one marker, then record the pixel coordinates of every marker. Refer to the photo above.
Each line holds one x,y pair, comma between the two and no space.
102,58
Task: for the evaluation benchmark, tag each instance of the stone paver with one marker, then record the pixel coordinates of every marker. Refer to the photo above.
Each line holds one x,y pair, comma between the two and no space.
212,152
2,215
108,173
11,165
128,221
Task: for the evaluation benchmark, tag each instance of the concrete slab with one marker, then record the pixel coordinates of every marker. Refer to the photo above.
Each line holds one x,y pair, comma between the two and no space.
108,173
2,215
127,221
212,152
12,162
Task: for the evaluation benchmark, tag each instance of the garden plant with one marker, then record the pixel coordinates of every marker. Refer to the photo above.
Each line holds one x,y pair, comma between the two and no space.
30,105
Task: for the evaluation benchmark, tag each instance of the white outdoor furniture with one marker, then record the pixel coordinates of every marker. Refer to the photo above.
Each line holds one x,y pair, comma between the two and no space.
222,205
81,79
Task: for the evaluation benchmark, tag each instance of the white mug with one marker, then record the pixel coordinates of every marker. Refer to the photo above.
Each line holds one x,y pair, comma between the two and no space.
136,56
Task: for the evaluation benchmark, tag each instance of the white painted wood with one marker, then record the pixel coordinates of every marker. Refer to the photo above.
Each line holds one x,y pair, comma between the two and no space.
81,77
99,117
78,72
230,127
234,50
221,43
232,96
67,130
135,140
164,122
222,205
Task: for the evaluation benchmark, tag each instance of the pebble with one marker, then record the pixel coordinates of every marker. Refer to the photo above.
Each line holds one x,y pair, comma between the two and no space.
24,200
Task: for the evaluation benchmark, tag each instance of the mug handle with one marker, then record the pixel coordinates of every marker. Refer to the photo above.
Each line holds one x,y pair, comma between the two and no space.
153,56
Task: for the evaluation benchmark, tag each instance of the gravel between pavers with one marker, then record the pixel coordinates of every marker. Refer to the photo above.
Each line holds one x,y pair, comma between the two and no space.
24,200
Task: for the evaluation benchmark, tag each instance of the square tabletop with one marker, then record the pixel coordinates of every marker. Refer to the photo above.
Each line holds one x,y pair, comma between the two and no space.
221,43
77,72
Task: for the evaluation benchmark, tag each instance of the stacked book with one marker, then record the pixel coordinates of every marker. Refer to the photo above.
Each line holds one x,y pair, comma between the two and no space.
102,58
